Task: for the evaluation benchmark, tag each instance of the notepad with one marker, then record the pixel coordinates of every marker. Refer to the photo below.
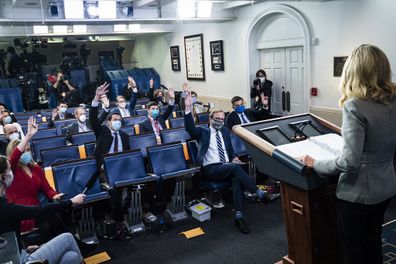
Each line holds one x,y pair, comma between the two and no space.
193,233
328,146
98,258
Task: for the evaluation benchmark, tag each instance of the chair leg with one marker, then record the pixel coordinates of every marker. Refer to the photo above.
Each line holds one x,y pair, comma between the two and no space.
135,212
176,206
86,226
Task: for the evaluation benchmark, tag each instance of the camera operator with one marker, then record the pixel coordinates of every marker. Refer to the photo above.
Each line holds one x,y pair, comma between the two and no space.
14,64
64,91
262,88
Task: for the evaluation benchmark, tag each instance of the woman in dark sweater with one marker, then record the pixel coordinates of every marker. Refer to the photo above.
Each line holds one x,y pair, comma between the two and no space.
61,249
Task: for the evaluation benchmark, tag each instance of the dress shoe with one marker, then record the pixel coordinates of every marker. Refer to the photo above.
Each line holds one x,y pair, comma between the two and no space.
242,226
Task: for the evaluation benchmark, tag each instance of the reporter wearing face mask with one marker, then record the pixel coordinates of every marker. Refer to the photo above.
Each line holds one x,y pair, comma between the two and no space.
11,132
240,115
81,124
60,113
261,85
29,178
109,137
155,122
6,119
62,249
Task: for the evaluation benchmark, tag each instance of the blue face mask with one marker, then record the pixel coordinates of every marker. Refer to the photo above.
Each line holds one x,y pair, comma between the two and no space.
26,158
154,113
7,120
240,109
194,100
116,125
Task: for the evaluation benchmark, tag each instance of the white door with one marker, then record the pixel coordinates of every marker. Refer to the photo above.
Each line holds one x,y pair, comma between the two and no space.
285,68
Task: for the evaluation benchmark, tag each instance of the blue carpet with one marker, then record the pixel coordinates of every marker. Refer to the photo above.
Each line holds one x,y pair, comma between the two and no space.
389,242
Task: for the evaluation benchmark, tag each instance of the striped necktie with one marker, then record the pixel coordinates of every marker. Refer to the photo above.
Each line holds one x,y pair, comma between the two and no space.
220,147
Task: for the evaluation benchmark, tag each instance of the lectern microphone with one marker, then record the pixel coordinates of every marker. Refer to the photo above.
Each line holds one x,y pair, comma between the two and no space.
299,135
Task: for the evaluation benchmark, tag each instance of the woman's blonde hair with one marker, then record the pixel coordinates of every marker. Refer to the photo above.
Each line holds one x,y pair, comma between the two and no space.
11,147
367,75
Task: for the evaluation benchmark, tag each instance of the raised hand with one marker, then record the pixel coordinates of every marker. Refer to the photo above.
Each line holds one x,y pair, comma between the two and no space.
101,90
151,83
171,92
131,82
264,99
32,126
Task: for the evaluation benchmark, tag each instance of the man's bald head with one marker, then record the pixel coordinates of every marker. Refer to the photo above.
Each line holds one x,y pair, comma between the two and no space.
9,129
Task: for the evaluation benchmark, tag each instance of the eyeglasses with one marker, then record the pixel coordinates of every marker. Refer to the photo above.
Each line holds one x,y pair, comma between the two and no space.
218,119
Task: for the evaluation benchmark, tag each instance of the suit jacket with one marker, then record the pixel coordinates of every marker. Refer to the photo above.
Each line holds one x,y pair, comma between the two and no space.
67,116
145,125
3,146
367,173
202,135
130,106
233,118
104,137
73,129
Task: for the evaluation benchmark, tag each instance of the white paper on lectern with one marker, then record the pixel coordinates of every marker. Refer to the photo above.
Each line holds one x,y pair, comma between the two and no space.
321,147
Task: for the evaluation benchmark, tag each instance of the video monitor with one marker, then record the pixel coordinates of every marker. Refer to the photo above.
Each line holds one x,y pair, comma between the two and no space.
273,135
306,128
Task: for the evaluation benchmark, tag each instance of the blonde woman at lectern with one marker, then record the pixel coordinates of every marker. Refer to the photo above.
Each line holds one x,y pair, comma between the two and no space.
367,179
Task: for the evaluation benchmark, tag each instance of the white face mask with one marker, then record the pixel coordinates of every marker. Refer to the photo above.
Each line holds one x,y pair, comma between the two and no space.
9,178
122,105
82,118
63,110
13,136
262,79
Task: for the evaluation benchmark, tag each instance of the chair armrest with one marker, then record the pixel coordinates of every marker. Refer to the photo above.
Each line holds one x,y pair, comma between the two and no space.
105,186
121,184
38,261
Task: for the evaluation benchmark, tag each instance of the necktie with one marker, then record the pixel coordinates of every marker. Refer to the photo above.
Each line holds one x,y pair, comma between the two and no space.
115,142
220,147
244,120
156,126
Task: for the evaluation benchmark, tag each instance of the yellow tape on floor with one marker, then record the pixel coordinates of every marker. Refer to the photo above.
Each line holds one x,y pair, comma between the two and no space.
98,258
193,232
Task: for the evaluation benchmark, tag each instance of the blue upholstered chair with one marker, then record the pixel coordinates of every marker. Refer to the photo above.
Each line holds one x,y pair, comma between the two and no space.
82,138
44,143
203,117
174,135
45,133
176,122
142,112
59,124
89,148
56,155
133,120
142,141
130,130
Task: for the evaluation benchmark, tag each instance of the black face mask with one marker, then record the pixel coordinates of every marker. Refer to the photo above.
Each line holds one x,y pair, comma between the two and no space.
159,98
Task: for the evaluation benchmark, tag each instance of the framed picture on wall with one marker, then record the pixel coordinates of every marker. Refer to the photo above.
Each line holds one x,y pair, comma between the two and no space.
195,66
217,55
175,58
339,65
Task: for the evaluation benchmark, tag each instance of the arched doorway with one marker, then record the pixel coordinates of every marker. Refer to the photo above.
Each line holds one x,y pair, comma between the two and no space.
279,40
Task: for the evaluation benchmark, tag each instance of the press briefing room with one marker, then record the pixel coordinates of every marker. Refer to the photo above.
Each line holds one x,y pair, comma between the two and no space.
197,131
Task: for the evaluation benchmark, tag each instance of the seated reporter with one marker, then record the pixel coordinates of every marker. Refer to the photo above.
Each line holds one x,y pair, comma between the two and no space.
219,162
240,115
62,249
80,125
123,108
155,122
59,113
11,132
29,178
109,139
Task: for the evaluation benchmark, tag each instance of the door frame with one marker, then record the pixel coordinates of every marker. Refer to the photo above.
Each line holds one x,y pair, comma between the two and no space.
252,52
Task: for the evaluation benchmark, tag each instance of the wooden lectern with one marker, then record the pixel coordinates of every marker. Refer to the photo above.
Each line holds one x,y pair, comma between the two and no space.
308,200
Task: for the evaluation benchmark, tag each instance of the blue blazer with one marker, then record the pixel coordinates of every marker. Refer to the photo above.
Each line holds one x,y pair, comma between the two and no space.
202,135
145,126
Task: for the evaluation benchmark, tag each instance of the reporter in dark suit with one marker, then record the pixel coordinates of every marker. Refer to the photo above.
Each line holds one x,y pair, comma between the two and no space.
219,162
367,179
59,113
110,139
80,125
240,115
155,122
